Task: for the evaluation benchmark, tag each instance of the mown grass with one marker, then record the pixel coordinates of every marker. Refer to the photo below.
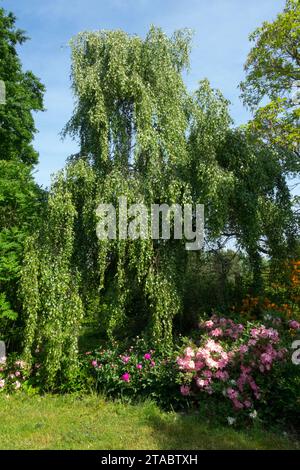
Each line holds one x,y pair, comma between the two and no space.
67,422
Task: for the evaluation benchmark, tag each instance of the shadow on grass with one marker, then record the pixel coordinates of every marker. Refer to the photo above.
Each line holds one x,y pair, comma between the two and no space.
190,432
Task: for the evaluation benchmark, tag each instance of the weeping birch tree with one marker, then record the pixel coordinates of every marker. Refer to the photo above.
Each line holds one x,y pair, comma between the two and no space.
144,137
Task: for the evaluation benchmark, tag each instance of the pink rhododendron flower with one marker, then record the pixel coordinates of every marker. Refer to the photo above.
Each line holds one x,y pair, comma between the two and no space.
233,394
253,385
266,358
294,325
147,357
217,332
222,375
185,364
222,363
212,346
281,353
199,365
190,365
94,363
237,404
230,355
202,353
139,366
180,362
207,373
189,352
264,333
245,370
185,390
201,383
210,362
209,324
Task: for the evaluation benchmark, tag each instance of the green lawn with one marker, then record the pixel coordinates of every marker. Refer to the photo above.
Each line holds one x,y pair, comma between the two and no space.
67,422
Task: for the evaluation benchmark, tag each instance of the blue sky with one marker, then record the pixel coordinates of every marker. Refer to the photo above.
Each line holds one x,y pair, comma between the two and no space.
220,48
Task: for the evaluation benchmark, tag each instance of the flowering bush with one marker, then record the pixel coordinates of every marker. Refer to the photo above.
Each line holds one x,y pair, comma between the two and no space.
13,374
231,361
136,372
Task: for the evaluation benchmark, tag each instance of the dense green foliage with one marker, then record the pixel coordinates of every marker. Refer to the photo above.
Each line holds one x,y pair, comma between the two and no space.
20,197
19,203
24,94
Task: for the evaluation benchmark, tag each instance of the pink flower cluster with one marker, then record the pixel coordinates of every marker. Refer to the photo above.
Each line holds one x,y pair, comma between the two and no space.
12,375
294,325
236,365
263,343
207,362
222,327
264,333
126,359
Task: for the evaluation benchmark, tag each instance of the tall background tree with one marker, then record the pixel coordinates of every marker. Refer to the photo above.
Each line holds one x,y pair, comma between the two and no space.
272,91
273,75
20,197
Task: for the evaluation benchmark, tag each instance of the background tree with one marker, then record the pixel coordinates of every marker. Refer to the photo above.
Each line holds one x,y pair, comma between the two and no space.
273,73
273,77
24,94
19,195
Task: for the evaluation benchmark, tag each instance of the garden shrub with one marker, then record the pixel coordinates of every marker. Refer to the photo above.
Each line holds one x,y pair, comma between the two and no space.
135,373
237,365
13,374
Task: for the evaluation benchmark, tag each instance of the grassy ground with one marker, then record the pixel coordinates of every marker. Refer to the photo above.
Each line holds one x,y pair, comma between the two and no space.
67,422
